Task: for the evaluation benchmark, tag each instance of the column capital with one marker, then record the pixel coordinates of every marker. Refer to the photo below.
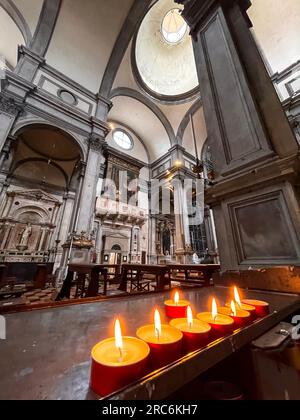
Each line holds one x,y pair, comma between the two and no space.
10,106
196,10
96,143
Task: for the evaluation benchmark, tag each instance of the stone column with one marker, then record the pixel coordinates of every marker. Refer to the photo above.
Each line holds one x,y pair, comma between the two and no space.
89,188
99,242
254,151
7,229
182,225
9,110
42,239
209,231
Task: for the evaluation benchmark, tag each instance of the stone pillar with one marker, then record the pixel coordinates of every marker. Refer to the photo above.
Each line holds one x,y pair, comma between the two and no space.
254,151
7,229
99,242
9,110
182,227
42,239
89,189
209,231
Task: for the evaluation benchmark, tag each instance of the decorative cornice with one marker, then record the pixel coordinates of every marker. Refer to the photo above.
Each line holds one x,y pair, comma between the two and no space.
22,50
196,10
9,106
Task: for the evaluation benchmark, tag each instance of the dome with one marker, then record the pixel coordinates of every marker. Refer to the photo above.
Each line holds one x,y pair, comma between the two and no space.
163,55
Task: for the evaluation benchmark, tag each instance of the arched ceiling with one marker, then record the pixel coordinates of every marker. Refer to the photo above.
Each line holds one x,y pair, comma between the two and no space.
84,38
146,124
8,49
46,155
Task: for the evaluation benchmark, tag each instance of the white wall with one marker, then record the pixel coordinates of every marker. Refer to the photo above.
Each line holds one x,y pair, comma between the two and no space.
277,28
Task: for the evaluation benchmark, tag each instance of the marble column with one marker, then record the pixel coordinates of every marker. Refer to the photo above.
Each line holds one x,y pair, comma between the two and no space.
89,188
255,154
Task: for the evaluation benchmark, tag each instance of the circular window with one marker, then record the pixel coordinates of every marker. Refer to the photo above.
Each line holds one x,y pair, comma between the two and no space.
174,27
123,140
67,97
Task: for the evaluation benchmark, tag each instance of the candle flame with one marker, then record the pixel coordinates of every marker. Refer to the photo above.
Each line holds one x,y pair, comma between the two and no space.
214,309
118,336
233,308
190,316
237,297
176,298
157,323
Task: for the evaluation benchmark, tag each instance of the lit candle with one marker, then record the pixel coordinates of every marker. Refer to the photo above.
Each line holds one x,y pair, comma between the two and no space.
262,308
165,342
176,308
242,306
221,324
196,333
117,362
241,318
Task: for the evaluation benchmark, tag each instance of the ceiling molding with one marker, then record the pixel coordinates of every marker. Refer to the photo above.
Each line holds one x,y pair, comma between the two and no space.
46,24
130,26
134,94
186,119
12,10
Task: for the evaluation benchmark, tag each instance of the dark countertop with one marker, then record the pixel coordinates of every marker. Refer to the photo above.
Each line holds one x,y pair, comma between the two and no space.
47,352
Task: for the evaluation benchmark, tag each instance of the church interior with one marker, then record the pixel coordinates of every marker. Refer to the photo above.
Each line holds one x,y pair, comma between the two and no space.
150,200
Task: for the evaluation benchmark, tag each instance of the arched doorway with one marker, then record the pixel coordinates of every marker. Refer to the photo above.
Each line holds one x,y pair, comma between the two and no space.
115,257
36,207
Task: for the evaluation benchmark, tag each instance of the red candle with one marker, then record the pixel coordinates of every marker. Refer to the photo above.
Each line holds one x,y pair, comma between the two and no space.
241,318
165,342
176,308
196,333
242,306
221,324
262,308
117,362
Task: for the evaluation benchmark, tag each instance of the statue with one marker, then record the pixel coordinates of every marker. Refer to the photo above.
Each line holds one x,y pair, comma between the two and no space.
196,259
25,235
166,241
24,238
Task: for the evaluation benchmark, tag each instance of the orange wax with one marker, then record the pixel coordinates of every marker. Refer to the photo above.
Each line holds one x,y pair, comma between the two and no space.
195,336
110,371
241,319
244,307
262,308
221,325
166,348
176,310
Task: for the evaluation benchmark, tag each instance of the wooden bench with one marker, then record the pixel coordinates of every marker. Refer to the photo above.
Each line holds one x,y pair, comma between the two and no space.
193,274
143,276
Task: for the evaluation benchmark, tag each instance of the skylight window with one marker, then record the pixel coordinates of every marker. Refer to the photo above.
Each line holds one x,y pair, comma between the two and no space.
174,27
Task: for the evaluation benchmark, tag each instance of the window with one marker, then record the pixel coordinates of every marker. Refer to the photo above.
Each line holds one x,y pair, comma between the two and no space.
123,140
174,27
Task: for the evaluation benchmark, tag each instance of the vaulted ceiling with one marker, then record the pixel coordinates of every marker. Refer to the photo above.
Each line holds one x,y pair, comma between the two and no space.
94,43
